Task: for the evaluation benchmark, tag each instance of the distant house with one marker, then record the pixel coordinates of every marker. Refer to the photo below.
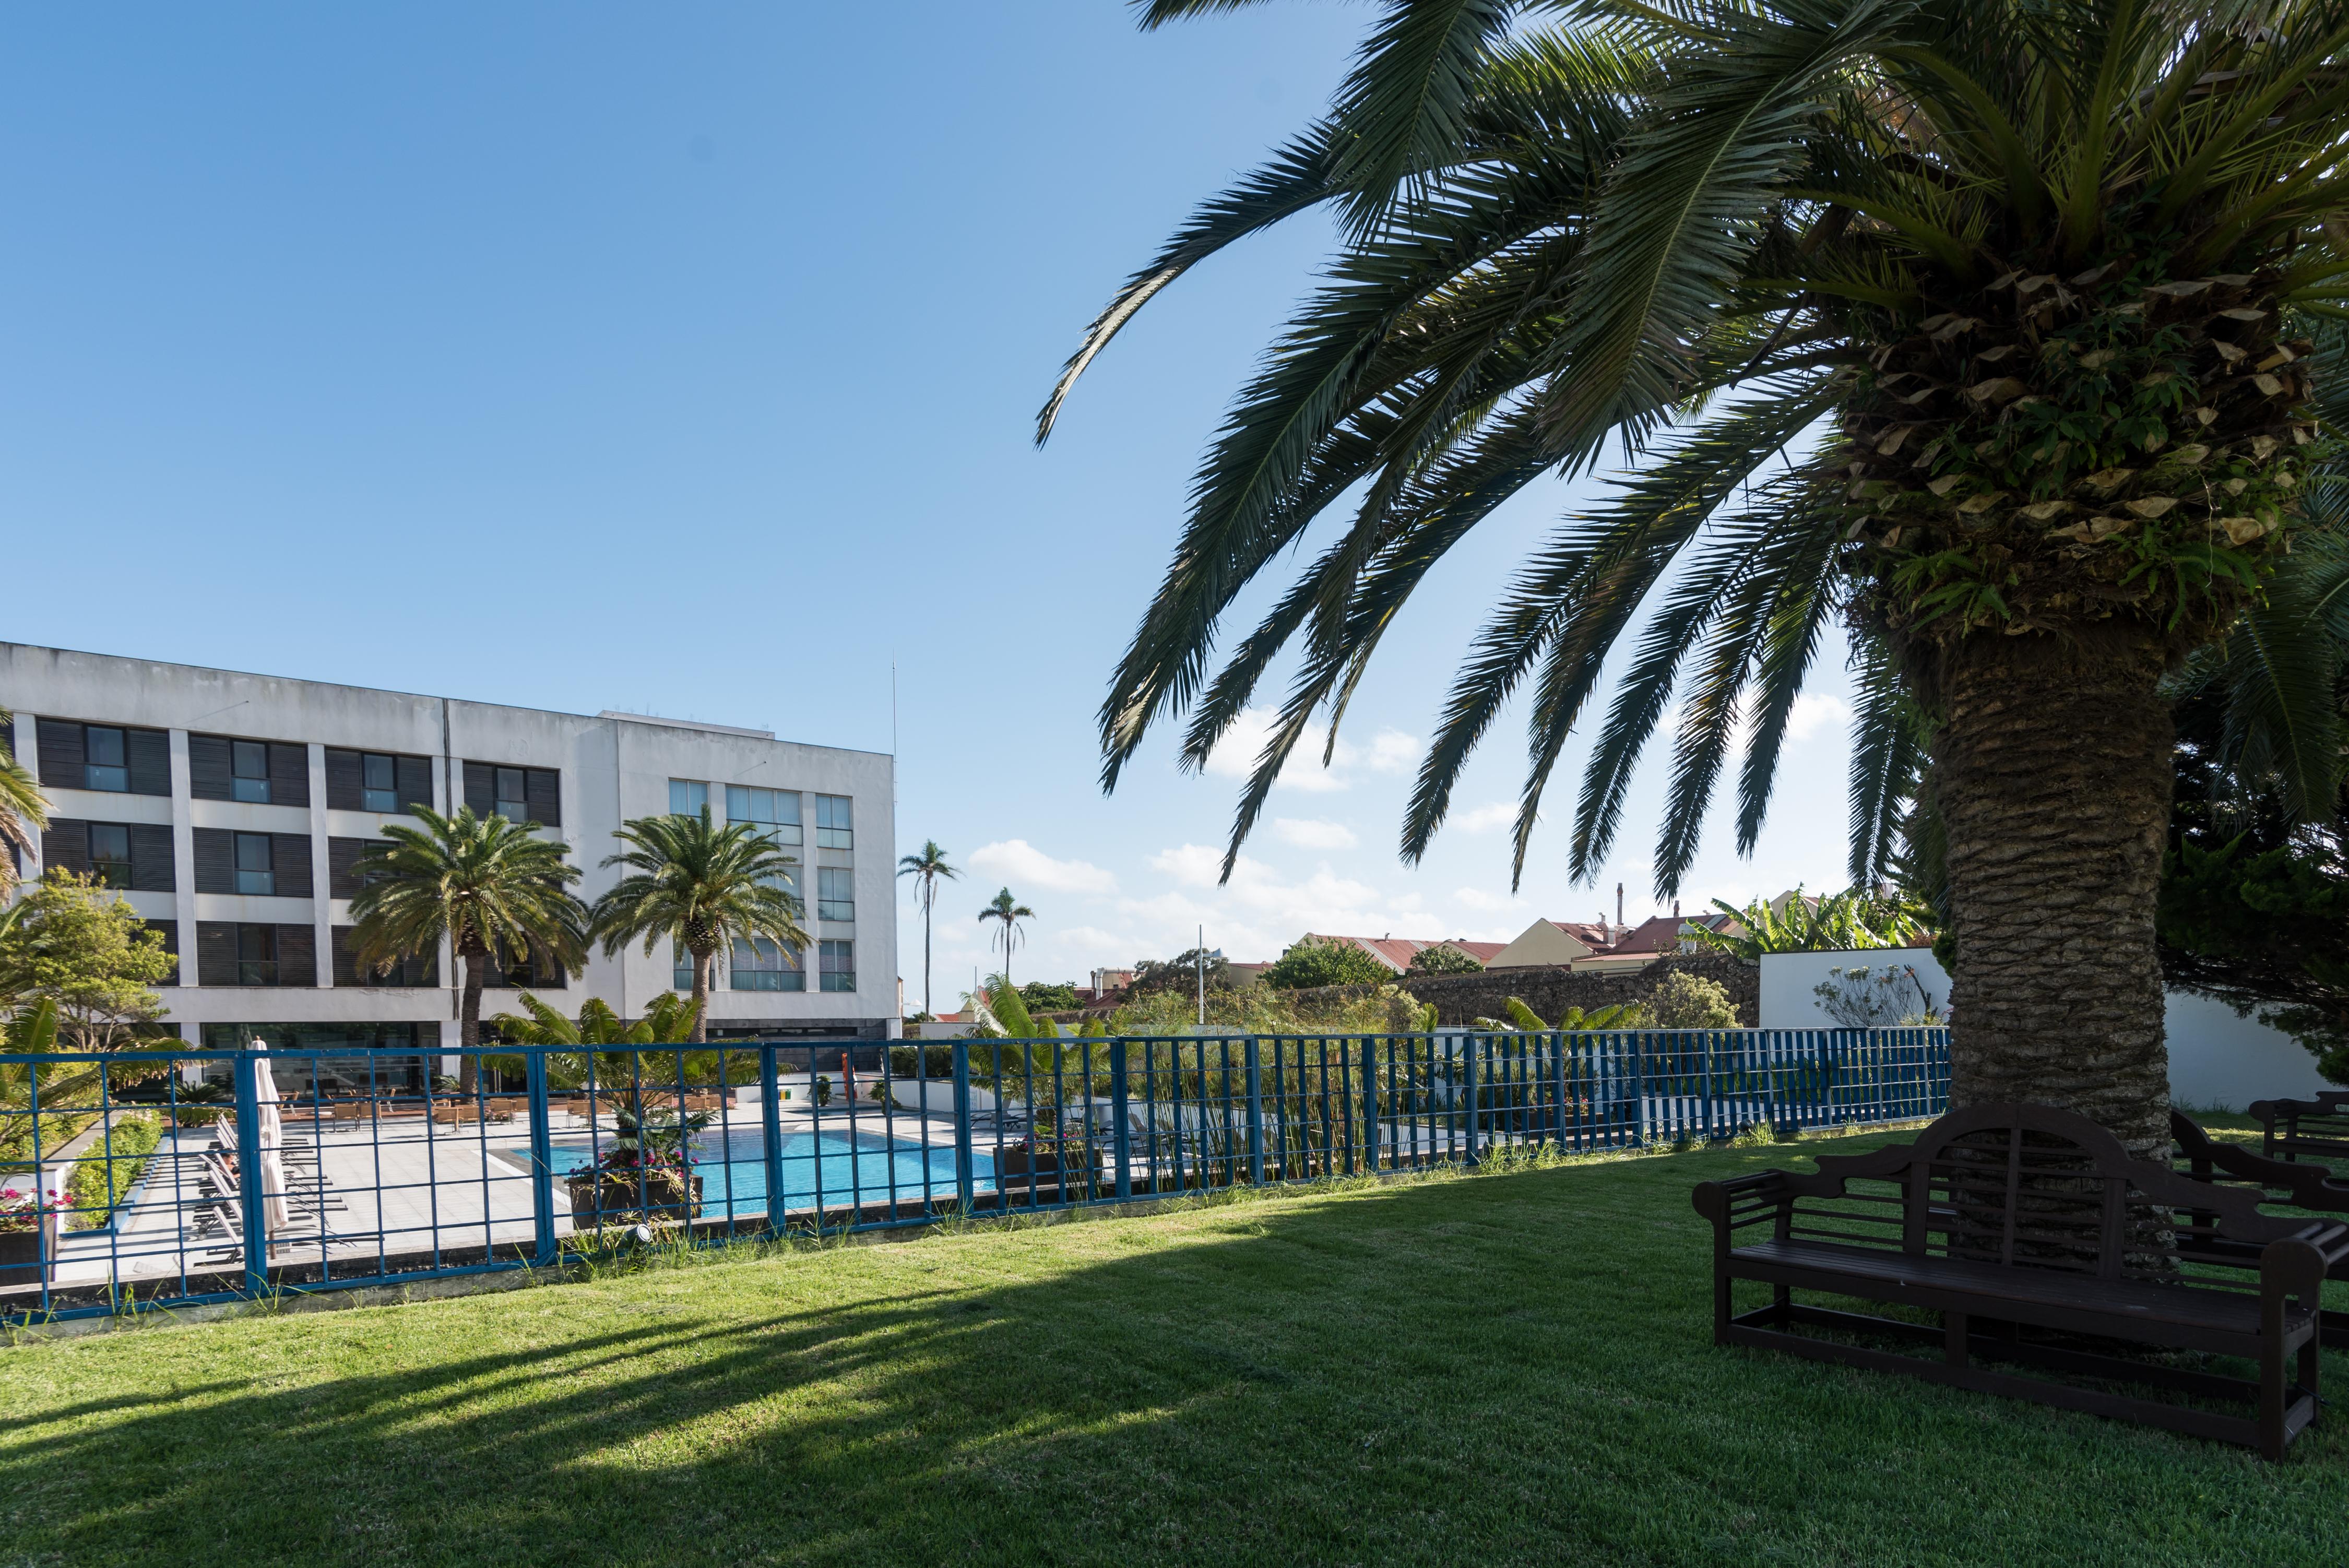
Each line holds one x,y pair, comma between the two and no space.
1601,944
1397,952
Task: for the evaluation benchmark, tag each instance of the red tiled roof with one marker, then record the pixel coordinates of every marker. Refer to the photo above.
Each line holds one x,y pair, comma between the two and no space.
1397,952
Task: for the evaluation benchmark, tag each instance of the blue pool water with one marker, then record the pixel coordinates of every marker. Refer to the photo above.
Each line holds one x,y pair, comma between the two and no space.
863,1166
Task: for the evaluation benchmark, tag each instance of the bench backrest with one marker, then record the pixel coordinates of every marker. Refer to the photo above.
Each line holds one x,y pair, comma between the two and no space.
2208,1158
2027,1186
2296,1129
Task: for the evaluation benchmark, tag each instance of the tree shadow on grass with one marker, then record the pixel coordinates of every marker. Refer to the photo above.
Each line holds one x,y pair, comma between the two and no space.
1508,1369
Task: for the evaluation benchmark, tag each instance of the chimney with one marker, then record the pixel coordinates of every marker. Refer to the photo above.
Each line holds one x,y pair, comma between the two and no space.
1676,908
1618,904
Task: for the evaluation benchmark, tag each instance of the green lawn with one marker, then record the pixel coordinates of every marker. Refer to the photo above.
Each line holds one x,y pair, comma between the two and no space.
1510,1368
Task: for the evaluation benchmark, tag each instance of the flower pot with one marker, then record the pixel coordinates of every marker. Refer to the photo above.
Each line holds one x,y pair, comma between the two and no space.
617,1197
20,1253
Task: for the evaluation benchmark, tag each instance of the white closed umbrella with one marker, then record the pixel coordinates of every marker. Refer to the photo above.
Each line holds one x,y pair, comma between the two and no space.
275,1214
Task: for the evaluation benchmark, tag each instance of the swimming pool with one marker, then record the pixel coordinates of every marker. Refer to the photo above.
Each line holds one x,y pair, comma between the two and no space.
865,1169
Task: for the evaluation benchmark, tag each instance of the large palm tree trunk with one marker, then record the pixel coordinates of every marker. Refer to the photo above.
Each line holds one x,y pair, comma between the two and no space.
2053,776
469,1026
926,956
702,964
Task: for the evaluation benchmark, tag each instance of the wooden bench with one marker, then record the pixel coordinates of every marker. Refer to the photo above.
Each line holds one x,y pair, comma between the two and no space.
2278,1183
2037,1240
2297,1130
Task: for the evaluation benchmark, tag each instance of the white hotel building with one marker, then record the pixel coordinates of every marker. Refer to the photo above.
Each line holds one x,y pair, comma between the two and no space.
230,809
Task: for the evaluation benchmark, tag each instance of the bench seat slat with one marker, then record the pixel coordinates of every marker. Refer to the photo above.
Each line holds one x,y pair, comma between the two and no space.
1997,1284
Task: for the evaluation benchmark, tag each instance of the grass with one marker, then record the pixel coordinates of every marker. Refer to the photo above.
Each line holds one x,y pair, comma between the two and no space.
1508,1367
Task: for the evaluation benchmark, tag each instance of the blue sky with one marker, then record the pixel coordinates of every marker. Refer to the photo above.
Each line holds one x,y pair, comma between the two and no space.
685,359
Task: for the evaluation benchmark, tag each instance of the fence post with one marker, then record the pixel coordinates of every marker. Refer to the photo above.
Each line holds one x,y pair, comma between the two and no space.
963,1184
251,1200
1370,1044
1255,1116
771,1139
1122,1142
1474,1112
541,1159
1558,1071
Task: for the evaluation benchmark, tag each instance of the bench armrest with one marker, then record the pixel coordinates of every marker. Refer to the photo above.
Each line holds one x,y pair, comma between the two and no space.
2296,1265
1741,1200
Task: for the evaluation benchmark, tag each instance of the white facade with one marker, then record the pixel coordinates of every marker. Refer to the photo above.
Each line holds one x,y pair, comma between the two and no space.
611,767
2217,1061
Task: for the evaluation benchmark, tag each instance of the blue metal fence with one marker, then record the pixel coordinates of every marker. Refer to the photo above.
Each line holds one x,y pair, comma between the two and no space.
185,1177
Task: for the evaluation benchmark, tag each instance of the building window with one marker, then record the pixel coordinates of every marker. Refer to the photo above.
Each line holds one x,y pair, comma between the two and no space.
835,894
107,761
762,965
518,794
110,853
838,960
774,813
834,823
254,870
230,954
379,782
109,757
257,952
248,766
689,796
388,782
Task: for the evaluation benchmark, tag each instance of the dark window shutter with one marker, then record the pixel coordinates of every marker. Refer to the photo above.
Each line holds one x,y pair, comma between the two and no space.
414,777
289,774
151,858
149,753
298,955
170,933
545,797
289,857
346,780
480,787
216,950
66,843
343,866
345,968
209,772
61,753
216,873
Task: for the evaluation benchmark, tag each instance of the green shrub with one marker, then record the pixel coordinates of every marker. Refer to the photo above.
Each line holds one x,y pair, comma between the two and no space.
1044,997
934,1061
1445,959
1316,962
1686,1001
98,1185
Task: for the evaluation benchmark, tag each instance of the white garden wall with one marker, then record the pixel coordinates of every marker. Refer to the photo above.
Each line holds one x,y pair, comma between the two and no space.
2216,1059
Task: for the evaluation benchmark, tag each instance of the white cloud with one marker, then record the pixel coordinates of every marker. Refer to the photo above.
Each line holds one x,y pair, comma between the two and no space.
1023,865
1259,912
1392,751
1312,833
1478,899
1811,713
1235,754
1485,819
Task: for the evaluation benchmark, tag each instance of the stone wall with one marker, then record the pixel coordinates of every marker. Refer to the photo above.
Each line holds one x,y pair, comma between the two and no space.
1464,998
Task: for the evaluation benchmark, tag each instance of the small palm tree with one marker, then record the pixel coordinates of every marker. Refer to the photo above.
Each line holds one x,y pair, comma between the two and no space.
493,888
23,808
929,868
703,886
1010,911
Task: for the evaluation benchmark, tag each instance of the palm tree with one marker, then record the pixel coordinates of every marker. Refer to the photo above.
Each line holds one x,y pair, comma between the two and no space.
704,887
2032,300
496,891
23,808
1010,911
928,867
